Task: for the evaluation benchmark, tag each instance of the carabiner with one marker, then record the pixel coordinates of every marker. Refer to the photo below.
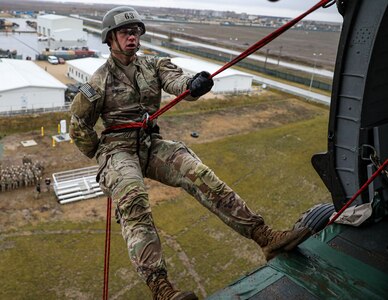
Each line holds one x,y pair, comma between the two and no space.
145,120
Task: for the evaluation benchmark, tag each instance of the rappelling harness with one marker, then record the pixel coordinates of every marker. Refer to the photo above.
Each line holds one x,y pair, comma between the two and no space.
146,123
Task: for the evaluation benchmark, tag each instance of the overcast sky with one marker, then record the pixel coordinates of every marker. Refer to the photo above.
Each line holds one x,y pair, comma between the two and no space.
283,8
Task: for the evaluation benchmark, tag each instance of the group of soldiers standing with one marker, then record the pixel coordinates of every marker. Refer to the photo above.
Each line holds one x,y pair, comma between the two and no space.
27,174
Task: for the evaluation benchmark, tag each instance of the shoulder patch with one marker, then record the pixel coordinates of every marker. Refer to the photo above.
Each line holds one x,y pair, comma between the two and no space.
89,92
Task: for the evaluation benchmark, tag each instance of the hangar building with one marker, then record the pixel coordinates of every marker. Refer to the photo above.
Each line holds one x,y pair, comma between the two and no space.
228,81
61,31
83,68
24,85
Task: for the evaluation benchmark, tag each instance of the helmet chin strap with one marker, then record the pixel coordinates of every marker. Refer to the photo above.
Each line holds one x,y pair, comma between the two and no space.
127,53
121,51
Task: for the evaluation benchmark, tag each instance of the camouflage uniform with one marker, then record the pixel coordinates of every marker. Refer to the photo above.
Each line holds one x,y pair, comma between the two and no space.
126,157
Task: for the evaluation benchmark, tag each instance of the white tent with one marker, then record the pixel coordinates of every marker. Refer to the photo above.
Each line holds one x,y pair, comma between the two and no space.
24,85
228,81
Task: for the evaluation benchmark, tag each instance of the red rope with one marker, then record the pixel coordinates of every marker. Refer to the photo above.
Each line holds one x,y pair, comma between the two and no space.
107,248
375,174
240,57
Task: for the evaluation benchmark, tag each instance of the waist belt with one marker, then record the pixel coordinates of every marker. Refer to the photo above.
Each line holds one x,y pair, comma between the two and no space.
146,136
148,131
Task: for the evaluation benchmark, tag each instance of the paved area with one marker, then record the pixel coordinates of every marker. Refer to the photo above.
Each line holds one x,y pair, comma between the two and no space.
58,71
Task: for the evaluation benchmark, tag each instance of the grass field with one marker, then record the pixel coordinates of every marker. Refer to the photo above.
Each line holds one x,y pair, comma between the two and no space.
269,167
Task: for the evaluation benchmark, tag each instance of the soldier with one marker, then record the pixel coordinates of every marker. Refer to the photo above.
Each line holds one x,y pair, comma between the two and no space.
30,175
47,181
14,182
2,181
37,190
25,177
126,89
40,166
8,182
38,173
26,159
20,178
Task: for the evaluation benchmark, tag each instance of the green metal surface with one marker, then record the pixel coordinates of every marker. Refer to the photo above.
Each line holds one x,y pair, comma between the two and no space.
249,285
319,268
330,274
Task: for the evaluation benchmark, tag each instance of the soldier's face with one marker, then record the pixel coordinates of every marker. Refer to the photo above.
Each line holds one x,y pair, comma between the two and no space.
127,39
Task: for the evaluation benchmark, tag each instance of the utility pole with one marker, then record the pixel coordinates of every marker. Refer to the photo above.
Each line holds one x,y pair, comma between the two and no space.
266,57
280,54
313,72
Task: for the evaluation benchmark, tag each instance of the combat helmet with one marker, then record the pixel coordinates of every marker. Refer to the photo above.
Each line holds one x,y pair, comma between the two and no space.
117,17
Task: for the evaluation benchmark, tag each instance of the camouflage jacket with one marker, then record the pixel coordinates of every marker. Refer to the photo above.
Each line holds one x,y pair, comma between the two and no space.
111,95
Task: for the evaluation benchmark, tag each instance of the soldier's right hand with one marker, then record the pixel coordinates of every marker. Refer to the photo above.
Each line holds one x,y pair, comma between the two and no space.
200,84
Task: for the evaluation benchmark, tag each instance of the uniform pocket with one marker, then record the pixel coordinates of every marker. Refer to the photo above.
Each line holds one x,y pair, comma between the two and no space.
106,175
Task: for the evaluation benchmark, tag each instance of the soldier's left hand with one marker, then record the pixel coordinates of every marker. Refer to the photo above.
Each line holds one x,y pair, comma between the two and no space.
200,84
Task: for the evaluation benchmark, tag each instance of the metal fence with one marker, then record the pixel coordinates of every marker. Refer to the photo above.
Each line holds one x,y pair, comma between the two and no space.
25,111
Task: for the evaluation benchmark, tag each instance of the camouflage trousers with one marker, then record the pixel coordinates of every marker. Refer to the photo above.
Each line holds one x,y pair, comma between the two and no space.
173,164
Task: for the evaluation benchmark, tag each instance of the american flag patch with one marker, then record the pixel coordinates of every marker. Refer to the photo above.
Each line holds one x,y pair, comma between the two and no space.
89,92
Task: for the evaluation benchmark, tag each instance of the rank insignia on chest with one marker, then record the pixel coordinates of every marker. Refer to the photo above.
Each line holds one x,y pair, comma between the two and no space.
89,92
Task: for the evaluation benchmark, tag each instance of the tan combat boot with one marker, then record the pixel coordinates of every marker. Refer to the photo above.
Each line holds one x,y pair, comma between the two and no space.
273,242
162,290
